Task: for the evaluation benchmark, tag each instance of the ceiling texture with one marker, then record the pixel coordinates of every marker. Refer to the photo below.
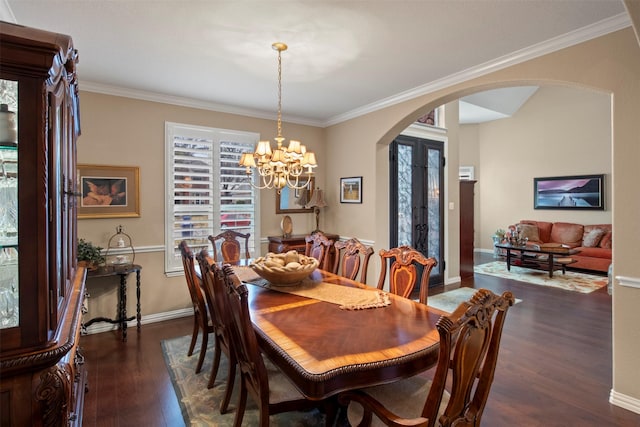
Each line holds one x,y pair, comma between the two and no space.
345,58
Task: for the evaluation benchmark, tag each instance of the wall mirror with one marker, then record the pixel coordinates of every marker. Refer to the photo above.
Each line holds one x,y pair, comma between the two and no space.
291,200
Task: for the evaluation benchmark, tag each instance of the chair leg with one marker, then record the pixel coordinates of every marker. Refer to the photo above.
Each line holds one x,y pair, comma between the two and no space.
194,335
224,406
242,403
264,417
203,350
216,363
331,409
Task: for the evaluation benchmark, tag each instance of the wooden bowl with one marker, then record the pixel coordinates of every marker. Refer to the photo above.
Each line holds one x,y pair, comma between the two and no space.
281,276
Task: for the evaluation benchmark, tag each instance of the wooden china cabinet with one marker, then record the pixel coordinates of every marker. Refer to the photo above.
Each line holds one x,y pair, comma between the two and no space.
42,378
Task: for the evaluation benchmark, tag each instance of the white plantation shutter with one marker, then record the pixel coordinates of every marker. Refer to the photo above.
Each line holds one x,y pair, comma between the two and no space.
207,192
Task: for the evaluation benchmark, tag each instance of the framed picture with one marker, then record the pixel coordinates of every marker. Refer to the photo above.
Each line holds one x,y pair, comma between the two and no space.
351,190
569,192
291,200
108,191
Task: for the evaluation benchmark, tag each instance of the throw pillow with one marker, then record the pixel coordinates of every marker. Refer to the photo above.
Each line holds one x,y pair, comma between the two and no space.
605,242
592,238
529,231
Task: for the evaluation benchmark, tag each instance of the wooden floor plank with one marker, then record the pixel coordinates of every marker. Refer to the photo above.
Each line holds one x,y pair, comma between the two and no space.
554,367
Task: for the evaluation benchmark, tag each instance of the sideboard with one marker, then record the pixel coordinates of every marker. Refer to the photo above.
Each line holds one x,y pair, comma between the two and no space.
280,244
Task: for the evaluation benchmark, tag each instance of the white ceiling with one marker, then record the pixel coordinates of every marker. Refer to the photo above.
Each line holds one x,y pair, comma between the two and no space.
345,58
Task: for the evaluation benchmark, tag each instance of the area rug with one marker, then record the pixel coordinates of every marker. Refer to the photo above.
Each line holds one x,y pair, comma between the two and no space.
449,301
571,281
200,406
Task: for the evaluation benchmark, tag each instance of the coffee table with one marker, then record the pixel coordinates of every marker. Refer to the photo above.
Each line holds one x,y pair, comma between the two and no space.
528,256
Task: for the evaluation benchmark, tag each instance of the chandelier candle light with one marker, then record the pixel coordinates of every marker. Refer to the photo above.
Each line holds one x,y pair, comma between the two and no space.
283,166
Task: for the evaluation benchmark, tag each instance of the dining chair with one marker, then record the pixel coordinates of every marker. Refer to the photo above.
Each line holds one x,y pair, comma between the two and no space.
214,291
404,272
271,390
200,310
467,356
352,257
230,246
318,245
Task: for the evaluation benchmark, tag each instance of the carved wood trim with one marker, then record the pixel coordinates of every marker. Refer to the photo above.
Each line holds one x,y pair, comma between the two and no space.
53,395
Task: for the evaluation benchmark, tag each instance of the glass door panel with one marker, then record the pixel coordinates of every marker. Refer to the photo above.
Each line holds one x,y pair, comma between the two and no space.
417,215
9,284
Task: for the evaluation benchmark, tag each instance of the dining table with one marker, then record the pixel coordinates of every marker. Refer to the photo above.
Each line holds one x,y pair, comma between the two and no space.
326,348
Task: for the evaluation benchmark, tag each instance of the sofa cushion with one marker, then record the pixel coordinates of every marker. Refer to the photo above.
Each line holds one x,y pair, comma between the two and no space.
593,237
568,233
606,241
544,229
530,232
594,252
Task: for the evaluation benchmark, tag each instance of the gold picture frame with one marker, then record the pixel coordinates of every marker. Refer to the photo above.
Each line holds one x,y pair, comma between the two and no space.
108,191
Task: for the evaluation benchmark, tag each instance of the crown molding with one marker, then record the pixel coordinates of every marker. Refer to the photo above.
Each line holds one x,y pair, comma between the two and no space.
105,89
581,35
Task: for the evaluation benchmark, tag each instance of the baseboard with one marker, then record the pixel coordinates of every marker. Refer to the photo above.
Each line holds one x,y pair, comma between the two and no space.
626,402
453,280
99,327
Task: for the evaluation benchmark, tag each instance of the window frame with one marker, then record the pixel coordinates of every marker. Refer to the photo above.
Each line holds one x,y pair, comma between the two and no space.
211,189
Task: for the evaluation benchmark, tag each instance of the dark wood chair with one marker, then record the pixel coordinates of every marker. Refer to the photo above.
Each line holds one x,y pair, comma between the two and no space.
200,310
214,292
352,257
230,247
469,344
404,271
318,245
272,391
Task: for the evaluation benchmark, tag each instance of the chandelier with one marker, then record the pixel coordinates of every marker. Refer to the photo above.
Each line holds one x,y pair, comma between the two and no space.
285,166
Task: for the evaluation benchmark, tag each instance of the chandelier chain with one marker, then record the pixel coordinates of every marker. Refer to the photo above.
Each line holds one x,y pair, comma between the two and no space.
279,94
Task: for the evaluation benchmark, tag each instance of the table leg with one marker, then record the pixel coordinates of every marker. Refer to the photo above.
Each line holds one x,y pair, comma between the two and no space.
508,259
550,265
123,305
138,316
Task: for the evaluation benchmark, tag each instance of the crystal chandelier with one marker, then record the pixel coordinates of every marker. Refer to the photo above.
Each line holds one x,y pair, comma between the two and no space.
285,166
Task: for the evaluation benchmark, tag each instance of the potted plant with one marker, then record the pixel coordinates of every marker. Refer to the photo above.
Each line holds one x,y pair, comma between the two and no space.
89,255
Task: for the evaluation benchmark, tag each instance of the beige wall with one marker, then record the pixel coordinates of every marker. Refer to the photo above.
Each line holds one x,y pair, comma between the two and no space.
559,131
128,132
609,64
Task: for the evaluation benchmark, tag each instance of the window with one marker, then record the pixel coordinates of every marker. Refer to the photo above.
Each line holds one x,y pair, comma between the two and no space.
207,192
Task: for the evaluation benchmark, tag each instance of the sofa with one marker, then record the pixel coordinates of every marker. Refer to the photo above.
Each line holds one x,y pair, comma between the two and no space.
593,241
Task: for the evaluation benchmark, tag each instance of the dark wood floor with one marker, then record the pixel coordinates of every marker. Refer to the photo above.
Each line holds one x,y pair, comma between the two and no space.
554,367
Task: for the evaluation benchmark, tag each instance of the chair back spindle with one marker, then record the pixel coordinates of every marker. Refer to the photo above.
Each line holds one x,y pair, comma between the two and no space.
230,247
318,245
352,257
403,273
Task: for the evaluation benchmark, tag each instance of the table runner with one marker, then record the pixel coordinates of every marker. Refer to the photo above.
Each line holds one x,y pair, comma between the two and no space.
346,297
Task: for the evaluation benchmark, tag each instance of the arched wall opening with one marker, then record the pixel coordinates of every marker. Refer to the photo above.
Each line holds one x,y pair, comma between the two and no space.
609,64
546,142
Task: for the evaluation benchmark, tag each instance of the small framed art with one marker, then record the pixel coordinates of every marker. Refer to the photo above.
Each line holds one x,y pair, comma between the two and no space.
351,190
108,191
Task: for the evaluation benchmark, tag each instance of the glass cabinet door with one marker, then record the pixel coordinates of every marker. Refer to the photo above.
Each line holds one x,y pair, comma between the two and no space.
9,284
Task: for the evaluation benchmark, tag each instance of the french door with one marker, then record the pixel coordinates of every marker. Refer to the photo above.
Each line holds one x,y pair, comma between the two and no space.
417,198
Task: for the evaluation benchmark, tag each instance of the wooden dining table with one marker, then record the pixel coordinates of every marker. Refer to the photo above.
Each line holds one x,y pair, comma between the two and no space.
325,349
